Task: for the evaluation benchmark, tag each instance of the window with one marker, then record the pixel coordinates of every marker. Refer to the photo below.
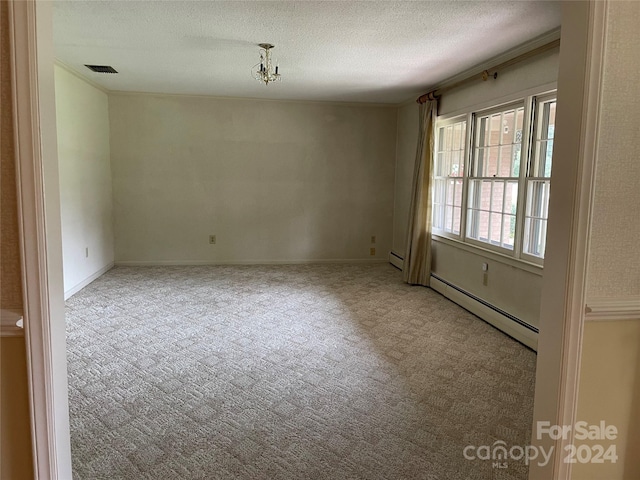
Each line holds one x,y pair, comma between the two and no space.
449,170
539,179
491,184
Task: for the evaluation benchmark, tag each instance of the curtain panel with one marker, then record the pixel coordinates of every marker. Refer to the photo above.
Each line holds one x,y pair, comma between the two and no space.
417,260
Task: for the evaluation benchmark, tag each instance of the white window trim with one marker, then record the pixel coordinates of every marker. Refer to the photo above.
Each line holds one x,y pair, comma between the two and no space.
467,139
535,100
529,99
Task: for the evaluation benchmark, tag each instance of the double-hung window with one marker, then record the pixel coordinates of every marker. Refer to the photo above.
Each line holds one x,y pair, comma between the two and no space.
493,180
492,172
449,171
539,179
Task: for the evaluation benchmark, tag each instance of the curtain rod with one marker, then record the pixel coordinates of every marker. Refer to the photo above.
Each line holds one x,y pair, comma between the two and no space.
490,72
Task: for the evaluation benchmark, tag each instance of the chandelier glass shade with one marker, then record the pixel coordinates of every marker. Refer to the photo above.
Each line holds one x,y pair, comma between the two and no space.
265,72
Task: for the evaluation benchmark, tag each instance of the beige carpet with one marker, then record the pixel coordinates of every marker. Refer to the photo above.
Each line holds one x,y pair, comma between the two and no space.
287,372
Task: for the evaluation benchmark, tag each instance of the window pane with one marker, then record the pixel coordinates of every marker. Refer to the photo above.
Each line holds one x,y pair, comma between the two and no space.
536,217
448,219
508,231
509,127
495,133
535,236
495,228
437,171
497,196
483,132
448,172
438,215
545,131
457,198
456,219
506,161
485,195
483,226
449,193
447,138
511,198
458,136
455,168
491,162
519,120
472,222
474,193
441,139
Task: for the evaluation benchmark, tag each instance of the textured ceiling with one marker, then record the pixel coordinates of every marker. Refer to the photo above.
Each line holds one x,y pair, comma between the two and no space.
382,52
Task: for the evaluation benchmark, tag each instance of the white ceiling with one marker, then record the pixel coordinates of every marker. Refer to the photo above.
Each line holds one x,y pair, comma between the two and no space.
366,51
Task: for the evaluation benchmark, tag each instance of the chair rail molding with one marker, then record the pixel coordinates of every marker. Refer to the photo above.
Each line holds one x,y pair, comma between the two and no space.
612,309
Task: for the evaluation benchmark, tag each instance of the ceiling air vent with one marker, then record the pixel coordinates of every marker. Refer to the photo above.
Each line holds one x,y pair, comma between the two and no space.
101,68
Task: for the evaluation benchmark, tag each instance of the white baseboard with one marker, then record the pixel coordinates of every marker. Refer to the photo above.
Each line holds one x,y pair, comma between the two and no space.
76,288
160,263
502,322
396,260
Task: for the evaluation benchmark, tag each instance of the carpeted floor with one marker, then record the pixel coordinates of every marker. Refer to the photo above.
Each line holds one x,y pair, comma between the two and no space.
287,372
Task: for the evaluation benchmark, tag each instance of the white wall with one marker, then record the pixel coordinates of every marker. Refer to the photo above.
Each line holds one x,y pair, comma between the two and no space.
406,146
610,367
274,181
82,115
514,290
614,260
539,70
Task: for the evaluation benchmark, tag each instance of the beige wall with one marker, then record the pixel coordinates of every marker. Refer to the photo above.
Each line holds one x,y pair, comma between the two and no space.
610,392
514,290
406,145
610,367
15,440
15,434
82,117
274,181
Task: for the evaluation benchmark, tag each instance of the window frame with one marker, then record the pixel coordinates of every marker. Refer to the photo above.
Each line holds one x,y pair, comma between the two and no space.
471,158
467,138
530,100
535,125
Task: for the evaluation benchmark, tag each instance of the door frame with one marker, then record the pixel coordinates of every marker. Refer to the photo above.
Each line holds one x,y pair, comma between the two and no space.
31,34
31,25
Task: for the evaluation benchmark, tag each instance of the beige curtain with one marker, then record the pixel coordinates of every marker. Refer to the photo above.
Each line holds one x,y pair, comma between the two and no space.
417,259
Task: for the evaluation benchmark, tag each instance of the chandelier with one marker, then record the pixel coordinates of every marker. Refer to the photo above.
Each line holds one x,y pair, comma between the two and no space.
264,71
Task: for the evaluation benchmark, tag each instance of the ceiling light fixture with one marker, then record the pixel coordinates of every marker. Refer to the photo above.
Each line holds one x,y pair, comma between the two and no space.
264,71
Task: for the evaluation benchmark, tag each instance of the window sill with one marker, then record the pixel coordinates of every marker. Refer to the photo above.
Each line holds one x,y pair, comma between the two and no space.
498,257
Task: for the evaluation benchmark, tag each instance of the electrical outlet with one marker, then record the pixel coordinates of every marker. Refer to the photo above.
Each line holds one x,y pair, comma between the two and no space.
485,267
86,252
372,251
212,239
373,239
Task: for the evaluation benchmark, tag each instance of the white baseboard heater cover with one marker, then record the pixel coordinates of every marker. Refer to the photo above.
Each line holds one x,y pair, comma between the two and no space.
512,326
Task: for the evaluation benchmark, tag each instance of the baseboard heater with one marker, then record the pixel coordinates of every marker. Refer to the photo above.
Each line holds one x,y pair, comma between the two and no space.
514,327
396,260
